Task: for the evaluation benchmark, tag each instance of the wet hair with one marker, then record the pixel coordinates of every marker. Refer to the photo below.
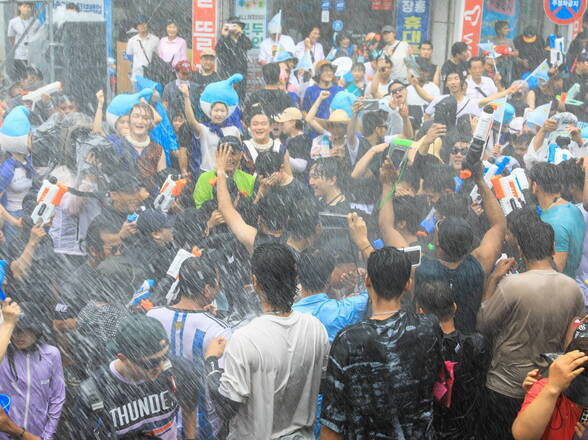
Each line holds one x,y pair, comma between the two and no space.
189,227
536,240
342,36
371,121
272,210
358,66
143,107
572,177
547,176
411,178
388,270
520,218
195,274
439,178
99,226
523,138
455,238
314,270
311,27
407,210
268,162
328,168
499,25
304,220
274,267
453,204
271,73
458,48
473,60
436,297
254,110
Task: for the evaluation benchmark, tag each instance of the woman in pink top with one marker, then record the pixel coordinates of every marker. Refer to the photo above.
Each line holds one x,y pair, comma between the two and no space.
172,48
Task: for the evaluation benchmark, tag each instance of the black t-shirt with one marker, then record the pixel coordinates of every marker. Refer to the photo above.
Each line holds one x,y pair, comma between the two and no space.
380,378
272,101
471,355
204,80
140,407
299,146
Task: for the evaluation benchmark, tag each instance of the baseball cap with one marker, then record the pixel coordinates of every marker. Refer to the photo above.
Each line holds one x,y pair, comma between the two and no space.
236,20
124,182
152,220
208,53
141,19
184,67
289,114
233,141
140,336
388,28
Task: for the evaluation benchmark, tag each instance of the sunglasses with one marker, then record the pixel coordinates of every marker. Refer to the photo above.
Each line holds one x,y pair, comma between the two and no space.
461,151
397,90
149,364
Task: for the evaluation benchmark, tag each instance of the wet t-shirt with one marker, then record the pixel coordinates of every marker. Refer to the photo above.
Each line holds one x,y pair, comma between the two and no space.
380,378
467,282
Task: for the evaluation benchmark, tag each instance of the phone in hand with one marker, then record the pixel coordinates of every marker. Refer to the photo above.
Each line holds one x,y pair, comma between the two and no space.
414,254
397,154
370,105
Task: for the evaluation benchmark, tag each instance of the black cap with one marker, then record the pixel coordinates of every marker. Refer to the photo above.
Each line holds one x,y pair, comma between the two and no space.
529,32
233,141
236,20
140,336
152,220
124,182
141,19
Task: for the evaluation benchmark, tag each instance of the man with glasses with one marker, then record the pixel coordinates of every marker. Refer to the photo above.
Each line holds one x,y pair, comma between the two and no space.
142,389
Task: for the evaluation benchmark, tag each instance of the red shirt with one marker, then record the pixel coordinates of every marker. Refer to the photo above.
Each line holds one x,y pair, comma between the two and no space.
564,418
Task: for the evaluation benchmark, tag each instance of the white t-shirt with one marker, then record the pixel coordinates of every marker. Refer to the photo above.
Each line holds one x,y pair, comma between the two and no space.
273,367
18,189
209,144
318,151
316,52
266,46
413,98
150,44
17,27
467,106
254,149
486,85
398,57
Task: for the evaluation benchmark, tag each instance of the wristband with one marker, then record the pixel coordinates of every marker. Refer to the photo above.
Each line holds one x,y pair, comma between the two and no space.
365,248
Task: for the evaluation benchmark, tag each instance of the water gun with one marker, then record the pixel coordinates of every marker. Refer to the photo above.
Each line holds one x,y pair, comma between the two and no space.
474,154
503,49
557,154
490,170
48,197
556,50
569,97
170,190
508,193
428,224
141,295
36,95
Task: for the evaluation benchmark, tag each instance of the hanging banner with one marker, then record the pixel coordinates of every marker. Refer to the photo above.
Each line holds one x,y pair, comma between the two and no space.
254,15
499,10
203,28
412,21
471,24
564,11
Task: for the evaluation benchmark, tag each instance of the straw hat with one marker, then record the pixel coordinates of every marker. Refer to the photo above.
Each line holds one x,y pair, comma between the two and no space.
336,117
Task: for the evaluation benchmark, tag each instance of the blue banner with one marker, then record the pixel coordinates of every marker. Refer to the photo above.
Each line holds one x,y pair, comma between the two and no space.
412,20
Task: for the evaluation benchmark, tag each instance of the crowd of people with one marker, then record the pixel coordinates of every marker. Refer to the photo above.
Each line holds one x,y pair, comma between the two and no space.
333,255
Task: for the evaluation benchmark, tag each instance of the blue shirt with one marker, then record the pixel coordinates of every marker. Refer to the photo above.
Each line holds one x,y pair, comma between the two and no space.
311,95
568,224
334,314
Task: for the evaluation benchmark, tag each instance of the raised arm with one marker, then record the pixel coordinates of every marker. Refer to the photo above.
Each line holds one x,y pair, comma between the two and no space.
539,138
361,167
97,127
310,117
245,233
420,91
352,127
390,235
491,245
10,313
487,100
190,117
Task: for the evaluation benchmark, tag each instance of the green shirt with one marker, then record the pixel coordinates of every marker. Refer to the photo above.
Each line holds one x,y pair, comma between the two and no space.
203,190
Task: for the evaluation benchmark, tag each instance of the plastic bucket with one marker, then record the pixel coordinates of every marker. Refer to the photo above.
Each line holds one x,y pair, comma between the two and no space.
5,402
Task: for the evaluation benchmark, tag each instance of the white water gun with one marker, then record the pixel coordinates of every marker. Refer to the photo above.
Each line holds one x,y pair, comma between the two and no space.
36,95
556,50
170,190
508,192
48,198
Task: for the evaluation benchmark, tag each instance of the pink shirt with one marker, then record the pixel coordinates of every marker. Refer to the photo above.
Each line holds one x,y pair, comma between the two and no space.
174,50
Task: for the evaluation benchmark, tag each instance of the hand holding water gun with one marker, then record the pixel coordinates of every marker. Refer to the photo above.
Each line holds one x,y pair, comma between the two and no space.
170,190
48,198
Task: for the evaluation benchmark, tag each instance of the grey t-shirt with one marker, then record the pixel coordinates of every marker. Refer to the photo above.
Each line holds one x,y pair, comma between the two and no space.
273,367
528,314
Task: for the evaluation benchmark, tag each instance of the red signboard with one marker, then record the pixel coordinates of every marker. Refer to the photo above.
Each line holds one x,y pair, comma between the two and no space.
382,5
472,24
203,28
